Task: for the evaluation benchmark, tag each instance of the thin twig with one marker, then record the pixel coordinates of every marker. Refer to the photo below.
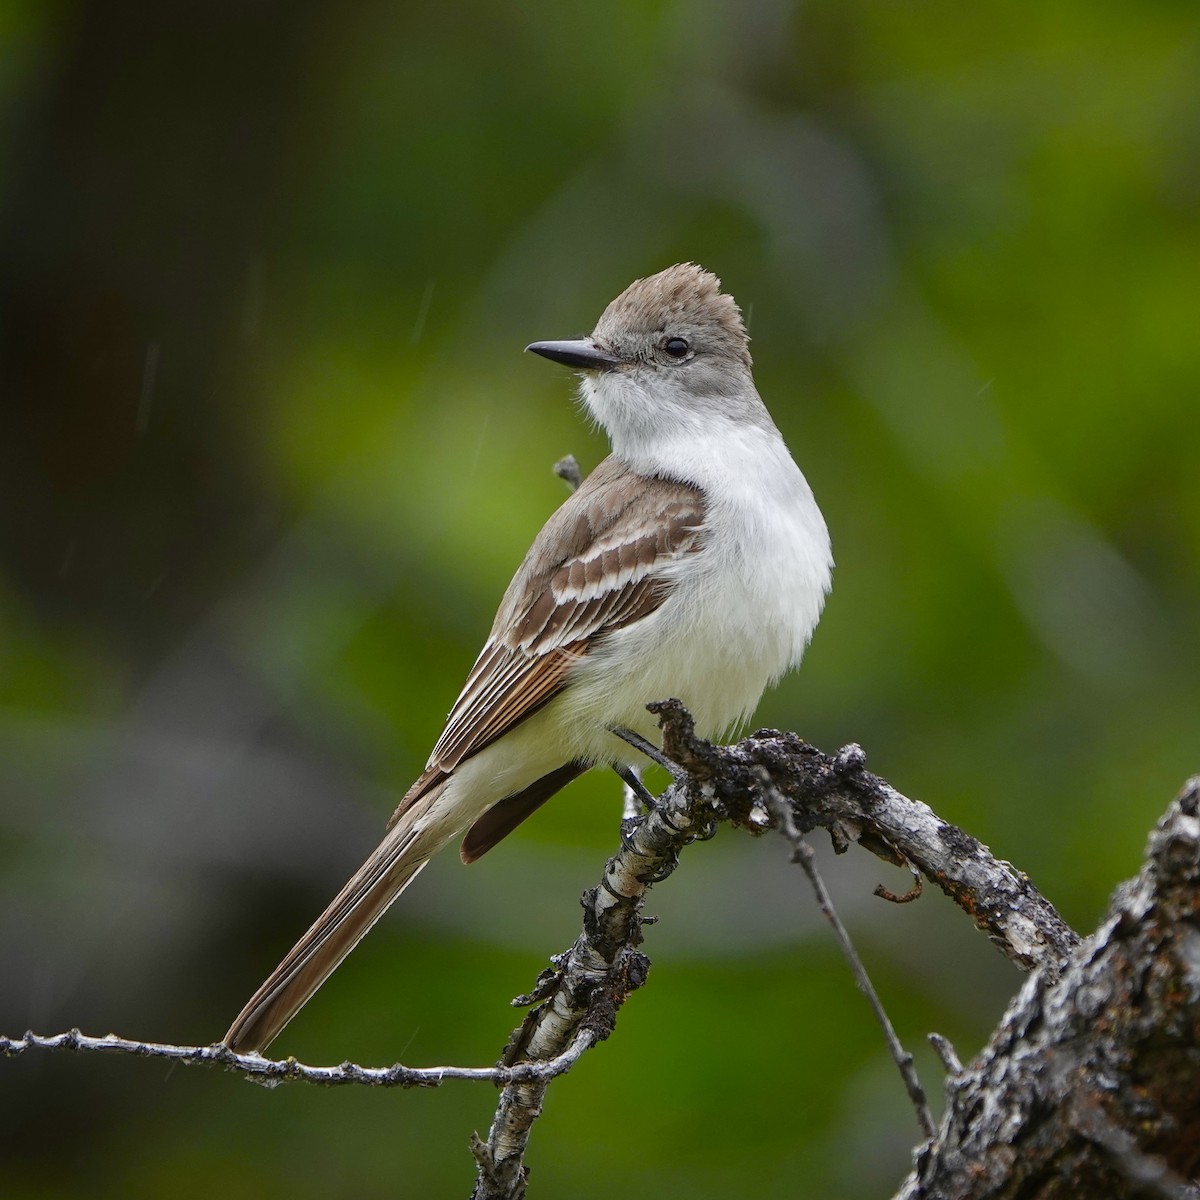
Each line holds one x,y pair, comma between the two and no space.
802,853
270,1072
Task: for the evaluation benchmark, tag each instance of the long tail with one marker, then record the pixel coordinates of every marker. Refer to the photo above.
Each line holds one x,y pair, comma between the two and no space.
393,865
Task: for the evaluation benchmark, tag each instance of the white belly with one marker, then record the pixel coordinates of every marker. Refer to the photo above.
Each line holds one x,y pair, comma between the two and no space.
739,615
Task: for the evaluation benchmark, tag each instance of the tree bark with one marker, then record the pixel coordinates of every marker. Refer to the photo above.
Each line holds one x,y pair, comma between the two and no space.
1090,1086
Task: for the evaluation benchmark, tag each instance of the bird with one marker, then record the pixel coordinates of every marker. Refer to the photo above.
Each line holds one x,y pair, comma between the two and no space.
691,563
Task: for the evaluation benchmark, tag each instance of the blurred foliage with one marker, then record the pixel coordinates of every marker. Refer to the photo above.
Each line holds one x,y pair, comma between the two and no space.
271,453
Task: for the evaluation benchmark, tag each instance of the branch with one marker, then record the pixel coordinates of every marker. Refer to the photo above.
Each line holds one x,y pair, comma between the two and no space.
1090,1085
838,794
741,784
590,982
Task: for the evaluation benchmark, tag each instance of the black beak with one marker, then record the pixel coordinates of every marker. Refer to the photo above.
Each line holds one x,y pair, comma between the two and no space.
583,355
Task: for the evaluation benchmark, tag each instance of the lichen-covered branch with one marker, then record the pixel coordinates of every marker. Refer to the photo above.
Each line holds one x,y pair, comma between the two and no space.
741,784
837,793
588,984
1090,1086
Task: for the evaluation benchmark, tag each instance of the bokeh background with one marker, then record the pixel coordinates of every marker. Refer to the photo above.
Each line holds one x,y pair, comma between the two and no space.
270,450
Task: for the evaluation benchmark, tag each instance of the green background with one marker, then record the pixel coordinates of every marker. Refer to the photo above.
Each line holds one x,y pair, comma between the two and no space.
271,451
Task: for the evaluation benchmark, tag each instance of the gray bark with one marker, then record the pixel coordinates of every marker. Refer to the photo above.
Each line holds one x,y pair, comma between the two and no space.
1090,1086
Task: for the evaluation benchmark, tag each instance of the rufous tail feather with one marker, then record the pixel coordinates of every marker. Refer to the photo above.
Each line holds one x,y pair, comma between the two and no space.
392,866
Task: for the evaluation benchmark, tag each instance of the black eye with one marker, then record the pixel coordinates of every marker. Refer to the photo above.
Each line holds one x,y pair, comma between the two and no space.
675,347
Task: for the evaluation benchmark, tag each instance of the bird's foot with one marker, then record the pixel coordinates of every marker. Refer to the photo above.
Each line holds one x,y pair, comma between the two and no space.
650,750
636,792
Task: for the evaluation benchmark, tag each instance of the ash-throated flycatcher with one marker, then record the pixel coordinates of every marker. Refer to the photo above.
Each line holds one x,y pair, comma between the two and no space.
693,562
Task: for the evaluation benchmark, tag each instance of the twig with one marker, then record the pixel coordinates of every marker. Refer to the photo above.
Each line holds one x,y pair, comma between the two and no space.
946,1052
271,1072
802,853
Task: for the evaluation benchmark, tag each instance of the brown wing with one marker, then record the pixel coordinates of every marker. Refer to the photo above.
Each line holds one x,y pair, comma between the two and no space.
596,566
